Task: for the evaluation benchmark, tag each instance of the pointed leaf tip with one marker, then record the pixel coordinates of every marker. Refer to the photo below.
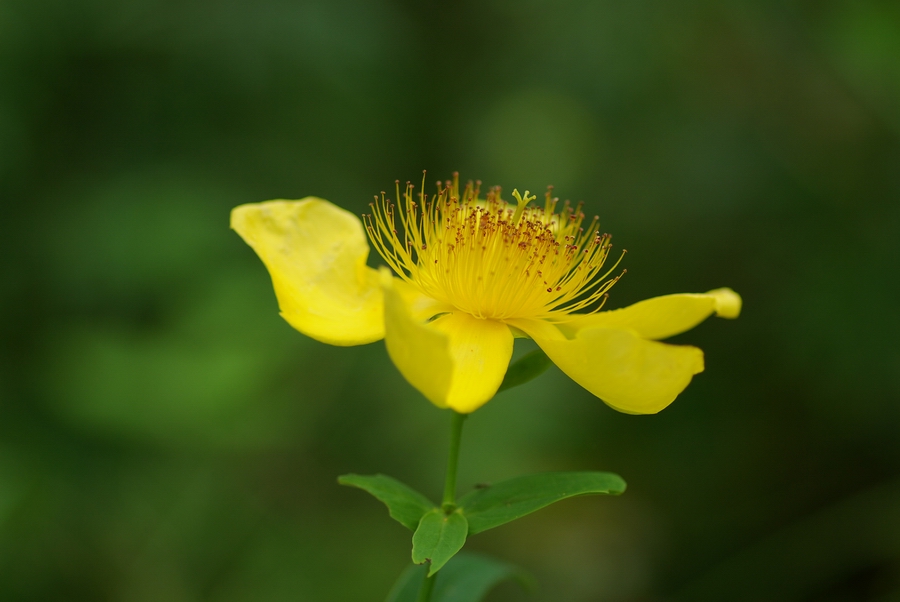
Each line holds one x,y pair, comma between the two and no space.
508,500
405,504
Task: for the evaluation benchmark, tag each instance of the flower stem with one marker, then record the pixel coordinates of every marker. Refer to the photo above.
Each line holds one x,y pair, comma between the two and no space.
449,503
425,591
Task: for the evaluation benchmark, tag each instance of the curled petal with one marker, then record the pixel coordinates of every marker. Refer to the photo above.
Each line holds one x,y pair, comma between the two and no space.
316,255
728,302
456,361
662,317
629,373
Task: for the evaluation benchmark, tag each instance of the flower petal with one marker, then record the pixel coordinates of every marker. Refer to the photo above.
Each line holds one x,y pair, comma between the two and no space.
662,317
631,374
421,353
316,255
456,361
422,307
481,351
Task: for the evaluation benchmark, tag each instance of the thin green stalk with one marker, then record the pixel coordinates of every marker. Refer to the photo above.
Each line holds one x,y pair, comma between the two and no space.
427,586
449,503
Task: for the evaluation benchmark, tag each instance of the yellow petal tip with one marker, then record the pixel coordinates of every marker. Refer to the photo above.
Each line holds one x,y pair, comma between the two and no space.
728,302
316,254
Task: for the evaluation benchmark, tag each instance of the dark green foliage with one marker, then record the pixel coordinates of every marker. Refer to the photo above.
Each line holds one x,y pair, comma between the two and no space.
405,505
439,535
466,578
506,501
526,368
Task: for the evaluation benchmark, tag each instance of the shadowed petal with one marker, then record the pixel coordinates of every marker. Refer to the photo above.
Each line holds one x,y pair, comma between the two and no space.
630,374
662,317
422,307
316,255
455,361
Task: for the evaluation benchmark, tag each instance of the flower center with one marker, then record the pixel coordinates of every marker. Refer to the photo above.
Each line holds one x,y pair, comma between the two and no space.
489,258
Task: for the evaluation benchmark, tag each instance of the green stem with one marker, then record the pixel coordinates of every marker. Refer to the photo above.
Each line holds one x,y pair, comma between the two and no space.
425,591
449,503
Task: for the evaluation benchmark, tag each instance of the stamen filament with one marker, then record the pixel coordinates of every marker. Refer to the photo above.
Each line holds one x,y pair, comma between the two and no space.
489,259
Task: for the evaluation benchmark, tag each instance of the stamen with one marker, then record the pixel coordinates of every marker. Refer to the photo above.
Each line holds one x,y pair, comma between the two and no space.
489,259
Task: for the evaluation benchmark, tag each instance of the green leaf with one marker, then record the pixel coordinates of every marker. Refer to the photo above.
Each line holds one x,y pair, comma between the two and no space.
438,538
529,366
466,578
508,500
469,577
406,587
405,505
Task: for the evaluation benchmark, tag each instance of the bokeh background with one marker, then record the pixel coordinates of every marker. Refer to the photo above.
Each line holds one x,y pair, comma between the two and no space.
165,436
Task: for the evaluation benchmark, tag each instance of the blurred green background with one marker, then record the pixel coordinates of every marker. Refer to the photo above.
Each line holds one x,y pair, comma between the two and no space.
165,436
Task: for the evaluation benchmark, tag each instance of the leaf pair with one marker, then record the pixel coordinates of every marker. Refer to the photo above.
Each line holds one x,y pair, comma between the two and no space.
439,536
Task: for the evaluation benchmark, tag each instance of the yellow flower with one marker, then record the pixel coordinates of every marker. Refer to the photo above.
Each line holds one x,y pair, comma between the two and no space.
469,275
